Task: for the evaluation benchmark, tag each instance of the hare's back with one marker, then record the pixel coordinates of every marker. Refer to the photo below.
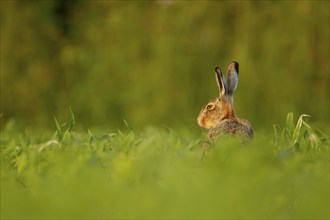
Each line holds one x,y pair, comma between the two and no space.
234,126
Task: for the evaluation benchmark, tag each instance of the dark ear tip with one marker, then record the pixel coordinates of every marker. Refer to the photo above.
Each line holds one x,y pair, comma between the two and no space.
217,69
235,65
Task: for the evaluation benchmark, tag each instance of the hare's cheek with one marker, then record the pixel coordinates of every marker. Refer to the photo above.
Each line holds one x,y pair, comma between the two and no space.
199,119
208,123
204,122
201,122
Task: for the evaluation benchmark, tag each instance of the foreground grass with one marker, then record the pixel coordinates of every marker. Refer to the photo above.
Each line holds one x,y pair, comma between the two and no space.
159,173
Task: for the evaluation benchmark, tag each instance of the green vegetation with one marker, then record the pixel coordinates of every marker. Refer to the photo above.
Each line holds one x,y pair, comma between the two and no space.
160,173
152,63
136,74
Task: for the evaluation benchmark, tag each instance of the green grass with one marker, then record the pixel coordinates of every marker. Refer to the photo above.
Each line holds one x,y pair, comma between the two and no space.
160,173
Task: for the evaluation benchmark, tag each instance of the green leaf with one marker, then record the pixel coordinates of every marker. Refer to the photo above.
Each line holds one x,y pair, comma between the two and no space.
66,137
127,125
21,162
296,132
128,140
276,136
91,140
289,125
72,121
58,130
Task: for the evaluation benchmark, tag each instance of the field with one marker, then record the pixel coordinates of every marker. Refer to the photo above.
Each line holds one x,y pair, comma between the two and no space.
135,75
161,173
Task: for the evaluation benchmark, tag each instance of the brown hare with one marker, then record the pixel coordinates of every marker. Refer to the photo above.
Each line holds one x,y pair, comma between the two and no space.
219,115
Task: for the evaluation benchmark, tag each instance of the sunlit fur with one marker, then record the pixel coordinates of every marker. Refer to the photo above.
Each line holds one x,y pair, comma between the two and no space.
223,110
218,116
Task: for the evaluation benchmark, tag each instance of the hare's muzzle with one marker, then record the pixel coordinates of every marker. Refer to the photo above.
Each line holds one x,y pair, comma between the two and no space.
203,122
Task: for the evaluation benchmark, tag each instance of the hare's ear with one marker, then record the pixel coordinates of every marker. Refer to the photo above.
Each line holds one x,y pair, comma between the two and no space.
220,81
232,78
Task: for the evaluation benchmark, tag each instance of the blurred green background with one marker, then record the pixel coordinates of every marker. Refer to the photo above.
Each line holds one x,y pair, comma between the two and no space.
152,63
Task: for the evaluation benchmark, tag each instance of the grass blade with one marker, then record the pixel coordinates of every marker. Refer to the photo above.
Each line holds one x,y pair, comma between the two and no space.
296,132
72,120
289,127
58,130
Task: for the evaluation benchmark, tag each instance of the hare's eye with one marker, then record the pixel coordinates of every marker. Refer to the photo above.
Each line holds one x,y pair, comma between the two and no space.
209,107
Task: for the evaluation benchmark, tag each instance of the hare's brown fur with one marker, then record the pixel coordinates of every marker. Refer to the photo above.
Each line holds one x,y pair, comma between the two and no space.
233,126
219,115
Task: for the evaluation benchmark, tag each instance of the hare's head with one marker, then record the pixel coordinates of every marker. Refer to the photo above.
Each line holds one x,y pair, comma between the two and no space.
222,107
